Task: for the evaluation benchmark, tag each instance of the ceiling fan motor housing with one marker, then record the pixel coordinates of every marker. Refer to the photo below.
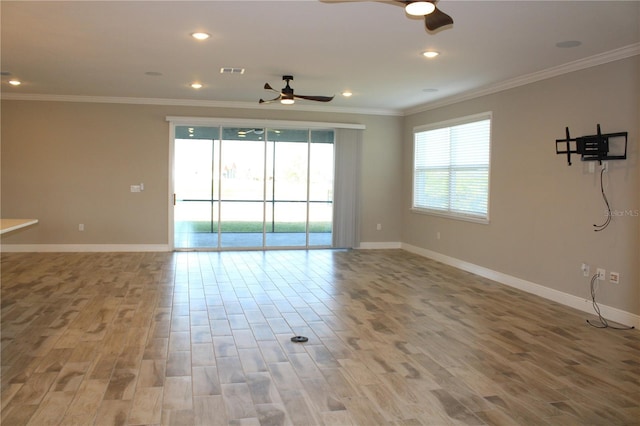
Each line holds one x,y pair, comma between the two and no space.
287,91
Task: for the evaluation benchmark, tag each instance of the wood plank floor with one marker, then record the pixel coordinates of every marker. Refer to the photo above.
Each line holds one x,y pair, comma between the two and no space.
204,338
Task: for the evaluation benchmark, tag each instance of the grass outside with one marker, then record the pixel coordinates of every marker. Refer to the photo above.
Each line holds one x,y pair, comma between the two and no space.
240,226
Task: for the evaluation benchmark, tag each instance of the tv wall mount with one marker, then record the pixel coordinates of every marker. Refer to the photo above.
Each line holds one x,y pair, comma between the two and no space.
594,147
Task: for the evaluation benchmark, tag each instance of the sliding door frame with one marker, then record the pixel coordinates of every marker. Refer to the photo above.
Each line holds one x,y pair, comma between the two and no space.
175,121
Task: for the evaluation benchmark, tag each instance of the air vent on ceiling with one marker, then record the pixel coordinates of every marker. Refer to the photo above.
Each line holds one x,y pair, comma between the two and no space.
231,70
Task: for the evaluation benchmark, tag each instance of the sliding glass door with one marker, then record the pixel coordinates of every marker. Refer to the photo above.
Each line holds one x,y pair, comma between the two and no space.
321,180
252,188
242,188
195,198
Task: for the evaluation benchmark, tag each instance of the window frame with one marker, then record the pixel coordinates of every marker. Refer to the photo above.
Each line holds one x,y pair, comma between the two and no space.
452,213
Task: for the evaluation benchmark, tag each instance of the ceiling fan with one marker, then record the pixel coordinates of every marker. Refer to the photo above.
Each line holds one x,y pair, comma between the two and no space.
287,97
434,18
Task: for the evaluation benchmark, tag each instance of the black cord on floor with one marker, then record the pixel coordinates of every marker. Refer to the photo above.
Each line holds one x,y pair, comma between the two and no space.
603,321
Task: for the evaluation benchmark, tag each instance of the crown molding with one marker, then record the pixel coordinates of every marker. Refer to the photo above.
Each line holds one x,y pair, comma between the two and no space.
580,64
191,103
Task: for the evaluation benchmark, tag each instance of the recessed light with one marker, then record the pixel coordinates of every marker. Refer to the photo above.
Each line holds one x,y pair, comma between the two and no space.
196,85
347,94
568,44
430,54
200,36
15,82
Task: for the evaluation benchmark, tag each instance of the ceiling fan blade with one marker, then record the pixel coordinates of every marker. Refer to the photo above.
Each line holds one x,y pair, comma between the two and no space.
267,86
315,98
262,101
437,19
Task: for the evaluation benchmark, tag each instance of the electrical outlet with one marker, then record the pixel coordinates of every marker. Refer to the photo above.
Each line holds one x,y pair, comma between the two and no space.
379,227
614,277
601,274
81,227
585,270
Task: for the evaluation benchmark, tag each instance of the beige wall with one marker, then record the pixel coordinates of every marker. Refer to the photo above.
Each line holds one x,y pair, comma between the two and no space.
68,163
542,210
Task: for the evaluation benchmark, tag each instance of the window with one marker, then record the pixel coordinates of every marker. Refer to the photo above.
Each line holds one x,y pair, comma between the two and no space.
451,168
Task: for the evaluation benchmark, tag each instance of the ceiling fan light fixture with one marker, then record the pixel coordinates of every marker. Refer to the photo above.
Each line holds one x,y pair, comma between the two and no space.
419,8
287,101
430,54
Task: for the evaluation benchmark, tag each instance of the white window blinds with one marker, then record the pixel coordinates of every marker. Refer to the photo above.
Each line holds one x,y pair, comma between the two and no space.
451,168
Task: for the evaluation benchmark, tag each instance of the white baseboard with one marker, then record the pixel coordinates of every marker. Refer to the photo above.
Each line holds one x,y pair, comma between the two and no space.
47,248
380,246
613,314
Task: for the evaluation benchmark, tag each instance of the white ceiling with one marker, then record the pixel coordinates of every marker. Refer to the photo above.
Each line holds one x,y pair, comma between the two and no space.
105,49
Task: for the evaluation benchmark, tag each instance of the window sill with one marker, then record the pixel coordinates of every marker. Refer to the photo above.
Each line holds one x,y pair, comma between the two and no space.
465,218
